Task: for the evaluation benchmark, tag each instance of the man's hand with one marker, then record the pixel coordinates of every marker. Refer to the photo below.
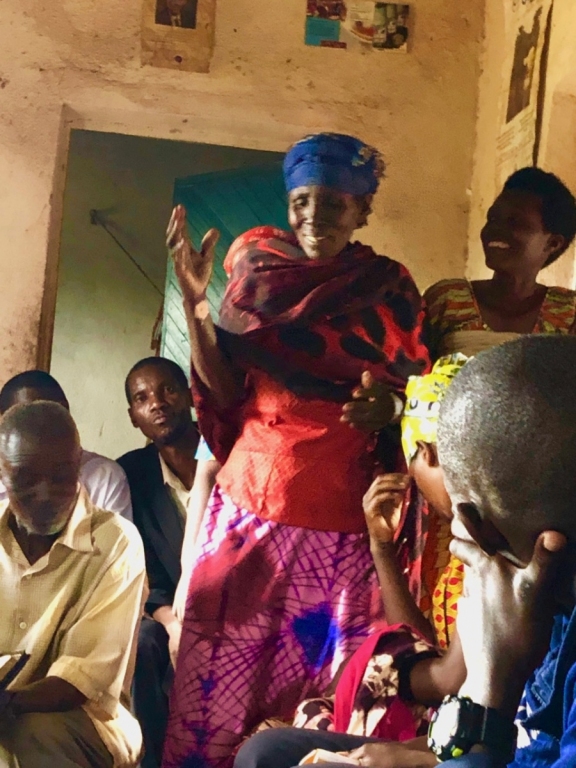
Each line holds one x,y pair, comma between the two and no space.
174,630
382,504
180,597
372,406
394,755
165,616
505,617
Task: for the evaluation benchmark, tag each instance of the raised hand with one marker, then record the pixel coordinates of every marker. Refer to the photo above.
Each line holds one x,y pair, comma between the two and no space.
371,408
193,268
382,504
505,617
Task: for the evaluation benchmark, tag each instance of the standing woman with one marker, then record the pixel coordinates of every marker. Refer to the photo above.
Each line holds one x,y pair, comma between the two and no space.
308,363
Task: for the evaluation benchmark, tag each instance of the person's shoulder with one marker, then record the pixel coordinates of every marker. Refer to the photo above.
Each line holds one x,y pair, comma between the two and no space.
442,288
561,294
115,537
95,463
137,459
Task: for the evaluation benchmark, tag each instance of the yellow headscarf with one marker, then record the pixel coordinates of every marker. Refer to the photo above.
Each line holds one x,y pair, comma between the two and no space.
423,397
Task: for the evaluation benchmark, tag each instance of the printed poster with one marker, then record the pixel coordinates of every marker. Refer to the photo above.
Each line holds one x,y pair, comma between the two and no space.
178,34
357,23
525,22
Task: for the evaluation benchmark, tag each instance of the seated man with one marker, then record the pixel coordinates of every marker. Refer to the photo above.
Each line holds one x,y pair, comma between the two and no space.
104,480
72,579
170,491
507,445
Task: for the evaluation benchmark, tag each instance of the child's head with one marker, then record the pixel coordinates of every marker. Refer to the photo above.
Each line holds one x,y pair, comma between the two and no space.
507,443
423,397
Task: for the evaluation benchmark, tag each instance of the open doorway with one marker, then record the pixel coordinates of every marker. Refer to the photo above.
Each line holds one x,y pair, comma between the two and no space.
112,279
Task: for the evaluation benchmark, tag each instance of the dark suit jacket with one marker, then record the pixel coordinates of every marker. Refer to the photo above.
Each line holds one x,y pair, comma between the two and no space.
160,523
187,16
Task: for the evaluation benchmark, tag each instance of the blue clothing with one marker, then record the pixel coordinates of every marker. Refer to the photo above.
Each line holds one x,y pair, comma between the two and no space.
333,160
203,453
547,714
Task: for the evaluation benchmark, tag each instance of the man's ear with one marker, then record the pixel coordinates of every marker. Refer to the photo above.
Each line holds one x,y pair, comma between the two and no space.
131,417
483,531
429,453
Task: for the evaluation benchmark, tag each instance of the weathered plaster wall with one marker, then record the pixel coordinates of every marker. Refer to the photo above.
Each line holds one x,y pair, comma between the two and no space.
105,308
77,63
558,134
558,137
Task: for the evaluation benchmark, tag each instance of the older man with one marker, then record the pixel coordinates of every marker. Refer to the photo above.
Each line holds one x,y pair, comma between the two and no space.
103,478
72,580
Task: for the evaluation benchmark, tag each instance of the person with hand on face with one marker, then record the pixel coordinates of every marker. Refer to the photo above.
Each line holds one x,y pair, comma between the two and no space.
385,689
72,580
315,341
528,227
170,489
507,445
102,478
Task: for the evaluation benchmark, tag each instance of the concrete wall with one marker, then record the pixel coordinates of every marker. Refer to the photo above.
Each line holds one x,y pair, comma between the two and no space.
558,137
76,63
105,309
558,132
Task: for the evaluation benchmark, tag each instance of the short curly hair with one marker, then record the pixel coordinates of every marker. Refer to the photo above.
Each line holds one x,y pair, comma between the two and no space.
558,203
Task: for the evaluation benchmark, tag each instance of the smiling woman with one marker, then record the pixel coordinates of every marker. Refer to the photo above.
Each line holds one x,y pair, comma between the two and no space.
529,225
307,363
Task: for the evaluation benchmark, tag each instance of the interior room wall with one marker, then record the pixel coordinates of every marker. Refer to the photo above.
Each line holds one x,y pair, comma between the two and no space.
77,64
106,309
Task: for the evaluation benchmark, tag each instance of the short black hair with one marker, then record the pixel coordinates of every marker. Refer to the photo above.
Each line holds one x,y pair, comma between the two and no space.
43,382
558,204
156,362
507,432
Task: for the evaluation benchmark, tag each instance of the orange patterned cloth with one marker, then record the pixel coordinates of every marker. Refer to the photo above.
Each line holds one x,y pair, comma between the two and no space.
451,306
442,577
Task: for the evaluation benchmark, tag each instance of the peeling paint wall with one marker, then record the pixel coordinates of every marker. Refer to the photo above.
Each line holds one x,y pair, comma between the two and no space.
76,63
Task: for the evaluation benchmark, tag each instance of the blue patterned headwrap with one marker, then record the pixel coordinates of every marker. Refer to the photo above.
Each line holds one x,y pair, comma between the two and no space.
333,160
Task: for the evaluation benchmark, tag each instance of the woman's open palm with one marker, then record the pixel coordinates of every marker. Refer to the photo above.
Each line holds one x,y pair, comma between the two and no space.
193,268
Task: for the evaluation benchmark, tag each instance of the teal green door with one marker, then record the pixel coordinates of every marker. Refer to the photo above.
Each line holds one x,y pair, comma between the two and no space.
233,202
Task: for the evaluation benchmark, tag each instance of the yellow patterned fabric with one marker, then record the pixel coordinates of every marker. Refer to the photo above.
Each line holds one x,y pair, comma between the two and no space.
423,397
442,574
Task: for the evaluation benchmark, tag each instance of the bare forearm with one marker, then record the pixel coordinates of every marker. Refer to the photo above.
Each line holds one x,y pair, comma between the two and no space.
213,368
165,616
433,679
399,605
204,481
52,694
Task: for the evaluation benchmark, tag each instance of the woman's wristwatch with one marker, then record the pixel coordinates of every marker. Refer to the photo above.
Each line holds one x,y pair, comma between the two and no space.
459,724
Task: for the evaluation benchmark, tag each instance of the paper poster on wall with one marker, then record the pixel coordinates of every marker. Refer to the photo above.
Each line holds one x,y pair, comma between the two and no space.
178,34
357,24
525,35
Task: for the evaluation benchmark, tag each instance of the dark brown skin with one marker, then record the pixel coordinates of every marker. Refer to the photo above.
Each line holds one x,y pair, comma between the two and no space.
42,487
505,620
431,679
323,221
160,409
510,301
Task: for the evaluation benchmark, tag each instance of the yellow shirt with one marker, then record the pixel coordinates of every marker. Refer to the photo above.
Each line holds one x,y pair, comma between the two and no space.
76,611
176,488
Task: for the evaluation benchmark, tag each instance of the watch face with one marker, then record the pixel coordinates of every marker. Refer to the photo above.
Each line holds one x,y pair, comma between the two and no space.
445,726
